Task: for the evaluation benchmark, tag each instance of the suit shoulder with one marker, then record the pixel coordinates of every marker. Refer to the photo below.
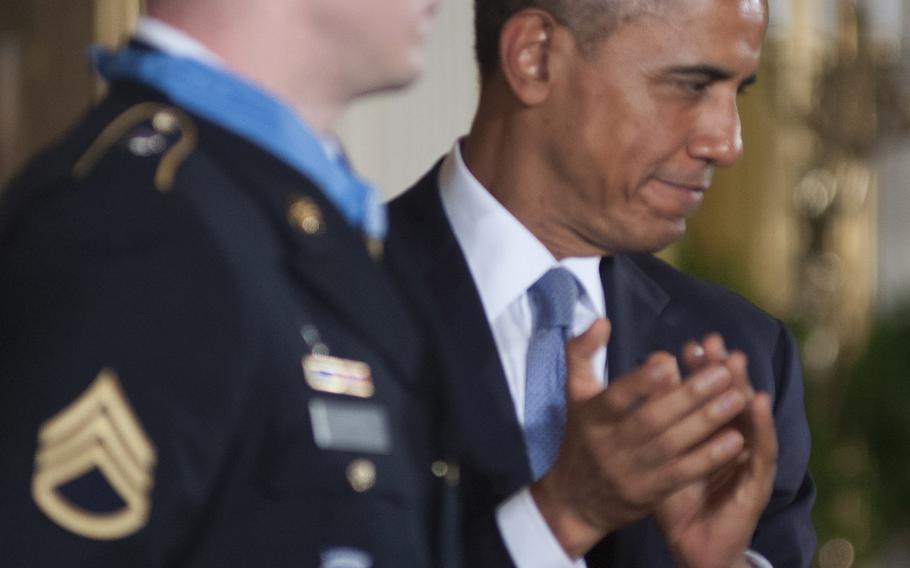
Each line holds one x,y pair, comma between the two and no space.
707,297
418,204
417,219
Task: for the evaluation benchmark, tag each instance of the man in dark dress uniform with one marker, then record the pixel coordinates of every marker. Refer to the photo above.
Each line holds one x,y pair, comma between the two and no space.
205,357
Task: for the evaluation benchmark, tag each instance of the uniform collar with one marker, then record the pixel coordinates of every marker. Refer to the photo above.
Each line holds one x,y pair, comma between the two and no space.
183,72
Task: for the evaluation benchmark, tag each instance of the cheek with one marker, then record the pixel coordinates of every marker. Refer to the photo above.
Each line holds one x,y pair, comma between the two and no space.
651,146
402,24
622,140
376,22
624,165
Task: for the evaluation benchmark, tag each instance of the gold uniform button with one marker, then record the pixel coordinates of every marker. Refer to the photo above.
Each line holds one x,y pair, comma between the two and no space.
361,475
376,249
165,122
449,471
439,468
304,215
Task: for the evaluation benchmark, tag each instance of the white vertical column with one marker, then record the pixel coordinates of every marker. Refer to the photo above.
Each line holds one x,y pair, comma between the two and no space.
894,172
780,16
826,17
893,286
393,139
885,19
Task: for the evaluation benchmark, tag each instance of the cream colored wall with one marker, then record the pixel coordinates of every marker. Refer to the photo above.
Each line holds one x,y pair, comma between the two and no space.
393,139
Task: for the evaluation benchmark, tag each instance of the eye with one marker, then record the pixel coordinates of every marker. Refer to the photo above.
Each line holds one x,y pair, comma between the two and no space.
694,87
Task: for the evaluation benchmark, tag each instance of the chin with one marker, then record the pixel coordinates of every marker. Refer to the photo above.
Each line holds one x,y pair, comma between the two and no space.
406,78
652,240
392,81
668,236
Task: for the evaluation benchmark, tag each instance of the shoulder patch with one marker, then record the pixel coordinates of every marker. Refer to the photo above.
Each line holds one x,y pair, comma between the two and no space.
97,432
171,133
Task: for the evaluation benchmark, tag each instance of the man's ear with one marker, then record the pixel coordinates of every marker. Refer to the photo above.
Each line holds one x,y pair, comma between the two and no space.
525,45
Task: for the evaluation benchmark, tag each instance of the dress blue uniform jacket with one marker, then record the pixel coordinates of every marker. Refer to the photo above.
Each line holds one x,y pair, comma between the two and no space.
161,254
652,306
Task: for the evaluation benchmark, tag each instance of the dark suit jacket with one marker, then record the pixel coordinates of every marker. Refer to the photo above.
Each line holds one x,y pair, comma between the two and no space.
652,306
197,298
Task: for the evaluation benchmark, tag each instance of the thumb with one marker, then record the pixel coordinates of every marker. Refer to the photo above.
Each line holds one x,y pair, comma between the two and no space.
581,383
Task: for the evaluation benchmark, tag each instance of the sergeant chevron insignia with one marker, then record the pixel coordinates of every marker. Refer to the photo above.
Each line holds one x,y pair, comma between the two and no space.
98,431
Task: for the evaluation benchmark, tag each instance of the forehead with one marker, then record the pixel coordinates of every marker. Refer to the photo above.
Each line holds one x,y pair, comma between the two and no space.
694,32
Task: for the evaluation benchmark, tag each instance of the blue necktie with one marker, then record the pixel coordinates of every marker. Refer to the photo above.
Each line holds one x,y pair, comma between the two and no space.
553,299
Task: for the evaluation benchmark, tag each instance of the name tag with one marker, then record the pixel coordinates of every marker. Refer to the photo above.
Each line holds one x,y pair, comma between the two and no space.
350,426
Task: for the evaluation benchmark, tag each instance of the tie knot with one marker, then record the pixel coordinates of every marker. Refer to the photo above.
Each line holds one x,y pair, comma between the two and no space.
553,297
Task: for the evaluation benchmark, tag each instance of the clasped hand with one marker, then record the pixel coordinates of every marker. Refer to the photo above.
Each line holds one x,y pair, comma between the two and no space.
700,455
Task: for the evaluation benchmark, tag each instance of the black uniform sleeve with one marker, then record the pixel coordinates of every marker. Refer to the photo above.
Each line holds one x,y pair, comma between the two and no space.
123,373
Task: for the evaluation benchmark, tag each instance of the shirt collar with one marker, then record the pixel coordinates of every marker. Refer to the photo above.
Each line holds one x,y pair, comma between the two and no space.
504,257
168,39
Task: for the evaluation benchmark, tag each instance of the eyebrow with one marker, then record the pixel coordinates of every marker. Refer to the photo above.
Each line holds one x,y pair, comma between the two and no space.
712,72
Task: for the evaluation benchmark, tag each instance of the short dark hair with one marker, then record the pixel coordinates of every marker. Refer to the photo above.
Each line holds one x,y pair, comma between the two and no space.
588,20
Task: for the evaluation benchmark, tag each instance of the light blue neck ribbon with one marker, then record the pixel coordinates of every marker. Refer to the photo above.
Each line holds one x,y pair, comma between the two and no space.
240,107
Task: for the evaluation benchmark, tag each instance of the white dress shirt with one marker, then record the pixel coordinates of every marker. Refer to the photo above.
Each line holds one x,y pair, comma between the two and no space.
505,260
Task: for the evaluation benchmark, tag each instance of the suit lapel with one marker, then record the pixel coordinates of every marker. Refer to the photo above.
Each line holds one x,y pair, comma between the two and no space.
420,226
634,304
333,265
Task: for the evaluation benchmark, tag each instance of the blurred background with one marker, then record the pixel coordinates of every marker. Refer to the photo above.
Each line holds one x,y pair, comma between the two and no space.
813,225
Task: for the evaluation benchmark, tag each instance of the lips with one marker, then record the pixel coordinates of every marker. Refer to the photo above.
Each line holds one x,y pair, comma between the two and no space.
673,198
689,186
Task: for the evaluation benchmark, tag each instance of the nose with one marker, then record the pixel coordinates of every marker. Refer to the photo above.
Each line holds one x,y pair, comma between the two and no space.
718,138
